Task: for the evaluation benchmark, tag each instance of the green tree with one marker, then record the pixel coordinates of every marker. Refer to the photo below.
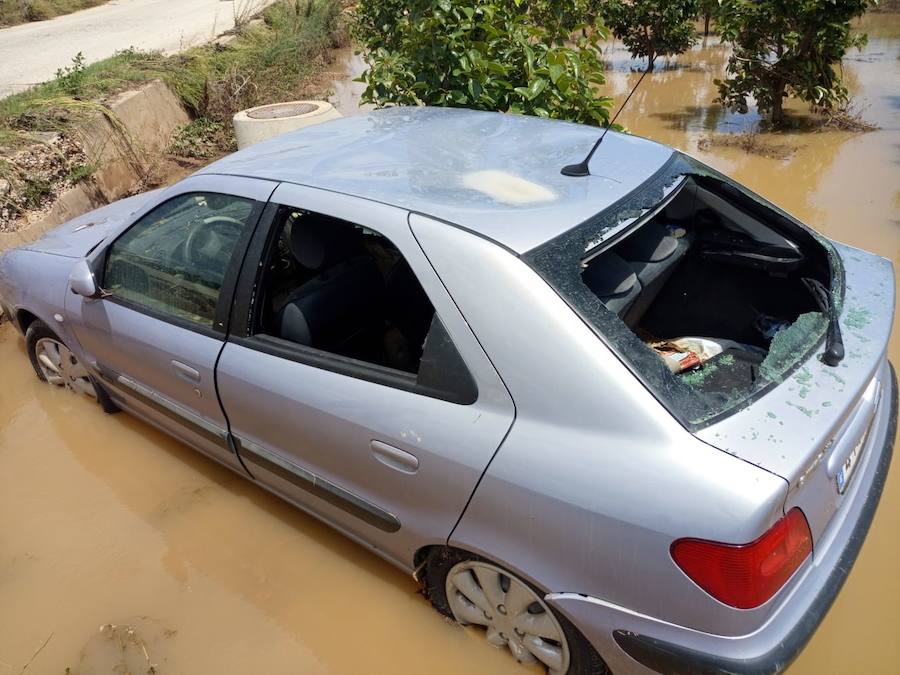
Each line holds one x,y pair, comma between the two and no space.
652,28
481,54
786,48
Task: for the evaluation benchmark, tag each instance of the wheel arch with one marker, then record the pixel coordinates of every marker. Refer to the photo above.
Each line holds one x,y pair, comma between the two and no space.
24,319
423,554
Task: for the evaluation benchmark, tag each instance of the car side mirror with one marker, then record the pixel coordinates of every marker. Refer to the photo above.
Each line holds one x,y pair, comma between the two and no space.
82,281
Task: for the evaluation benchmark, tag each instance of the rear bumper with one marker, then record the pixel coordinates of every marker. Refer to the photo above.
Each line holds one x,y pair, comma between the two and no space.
633,643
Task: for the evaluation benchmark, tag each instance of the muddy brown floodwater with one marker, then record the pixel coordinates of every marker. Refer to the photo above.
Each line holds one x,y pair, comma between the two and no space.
120,548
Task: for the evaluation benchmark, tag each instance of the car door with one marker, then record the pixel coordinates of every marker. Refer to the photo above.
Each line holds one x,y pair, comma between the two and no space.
389,455
154,337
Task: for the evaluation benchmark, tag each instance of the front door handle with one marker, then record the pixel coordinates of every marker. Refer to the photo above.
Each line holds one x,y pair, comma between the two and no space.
185,372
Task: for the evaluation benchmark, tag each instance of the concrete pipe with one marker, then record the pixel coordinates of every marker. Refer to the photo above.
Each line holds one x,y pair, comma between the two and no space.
257,124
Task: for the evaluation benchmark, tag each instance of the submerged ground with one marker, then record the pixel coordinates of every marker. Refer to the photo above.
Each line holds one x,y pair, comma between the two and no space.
119,546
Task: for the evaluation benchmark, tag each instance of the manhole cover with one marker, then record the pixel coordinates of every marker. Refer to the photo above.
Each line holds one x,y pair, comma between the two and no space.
279,110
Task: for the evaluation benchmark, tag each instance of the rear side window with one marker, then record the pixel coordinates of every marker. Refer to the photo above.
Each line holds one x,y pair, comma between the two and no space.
174,259
341,296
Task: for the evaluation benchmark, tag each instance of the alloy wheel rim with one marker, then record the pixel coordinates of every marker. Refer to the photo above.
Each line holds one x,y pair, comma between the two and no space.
61,368
513,615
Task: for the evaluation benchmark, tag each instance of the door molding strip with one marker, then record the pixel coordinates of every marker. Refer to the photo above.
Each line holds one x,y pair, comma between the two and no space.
161,404
316,485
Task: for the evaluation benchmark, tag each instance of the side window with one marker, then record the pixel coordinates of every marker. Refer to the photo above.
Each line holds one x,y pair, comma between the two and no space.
345,290
174,259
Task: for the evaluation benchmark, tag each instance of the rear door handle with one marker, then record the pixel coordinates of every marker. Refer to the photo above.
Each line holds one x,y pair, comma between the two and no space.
185,372
395,458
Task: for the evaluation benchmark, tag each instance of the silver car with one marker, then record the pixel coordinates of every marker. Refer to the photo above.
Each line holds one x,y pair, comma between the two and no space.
636,421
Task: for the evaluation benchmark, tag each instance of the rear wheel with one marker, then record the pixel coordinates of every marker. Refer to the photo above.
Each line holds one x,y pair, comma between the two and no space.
474,591
54,363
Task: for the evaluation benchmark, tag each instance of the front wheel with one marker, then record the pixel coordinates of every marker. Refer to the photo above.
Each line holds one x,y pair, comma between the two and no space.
54,363
513,613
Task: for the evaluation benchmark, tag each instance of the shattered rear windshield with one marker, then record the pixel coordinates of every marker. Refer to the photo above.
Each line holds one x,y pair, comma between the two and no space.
699,285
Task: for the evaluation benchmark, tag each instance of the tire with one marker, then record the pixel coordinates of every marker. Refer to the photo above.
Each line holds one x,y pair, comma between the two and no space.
77,379
582,658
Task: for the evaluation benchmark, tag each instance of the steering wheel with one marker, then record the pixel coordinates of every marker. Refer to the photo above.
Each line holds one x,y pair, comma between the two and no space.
202,235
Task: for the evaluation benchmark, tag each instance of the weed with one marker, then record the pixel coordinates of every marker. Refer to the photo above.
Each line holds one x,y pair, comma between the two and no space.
80,172
244,11
35,191
71,77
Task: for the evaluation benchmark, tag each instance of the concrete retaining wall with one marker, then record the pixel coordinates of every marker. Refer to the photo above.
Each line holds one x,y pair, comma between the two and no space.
126,144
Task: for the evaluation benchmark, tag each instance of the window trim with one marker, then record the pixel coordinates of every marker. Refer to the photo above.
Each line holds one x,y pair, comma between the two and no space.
319,358
221,316
246,308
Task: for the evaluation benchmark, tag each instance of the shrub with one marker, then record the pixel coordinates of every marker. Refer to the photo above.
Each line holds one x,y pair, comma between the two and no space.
482,54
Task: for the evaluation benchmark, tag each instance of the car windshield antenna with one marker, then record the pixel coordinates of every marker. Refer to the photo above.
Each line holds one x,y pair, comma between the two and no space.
581,169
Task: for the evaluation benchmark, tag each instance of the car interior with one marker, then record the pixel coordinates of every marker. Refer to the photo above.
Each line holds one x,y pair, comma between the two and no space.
344,289
704,281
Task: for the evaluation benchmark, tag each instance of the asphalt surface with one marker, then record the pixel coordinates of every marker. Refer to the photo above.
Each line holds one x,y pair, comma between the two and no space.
31,53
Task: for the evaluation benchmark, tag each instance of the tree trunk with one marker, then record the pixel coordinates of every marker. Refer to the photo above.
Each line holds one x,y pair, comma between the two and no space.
651,59
706,18
778,107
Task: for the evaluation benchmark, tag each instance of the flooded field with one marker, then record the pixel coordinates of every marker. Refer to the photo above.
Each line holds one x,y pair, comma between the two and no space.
122,549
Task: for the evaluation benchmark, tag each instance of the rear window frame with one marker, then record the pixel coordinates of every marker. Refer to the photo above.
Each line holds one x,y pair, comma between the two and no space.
553,259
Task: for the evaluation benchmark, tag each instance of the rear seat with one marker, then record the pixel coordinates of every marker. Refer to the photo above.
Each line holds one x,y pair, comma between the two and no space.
612,280
628,278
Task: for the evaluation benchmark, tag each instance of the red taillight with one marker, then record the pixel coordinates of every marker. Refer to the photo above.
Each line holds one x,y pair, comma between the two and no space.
747,575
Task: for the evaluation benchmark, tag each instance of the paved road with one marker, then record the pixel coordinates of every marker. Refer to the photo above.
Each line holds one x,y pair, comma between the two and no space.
32,52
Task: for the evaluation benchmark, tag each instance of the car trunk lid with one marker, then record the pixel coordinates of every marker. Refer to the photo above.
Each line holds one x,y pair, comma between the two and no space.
811,429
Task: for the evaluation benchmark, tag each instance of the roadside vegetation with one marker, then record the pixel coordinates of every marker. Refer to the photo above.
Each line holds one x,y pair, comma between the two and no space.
280,56
13,12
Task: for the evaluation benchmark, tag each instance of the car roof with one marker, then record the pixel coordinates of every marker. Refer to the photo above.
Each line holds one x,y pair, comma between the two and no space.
493,173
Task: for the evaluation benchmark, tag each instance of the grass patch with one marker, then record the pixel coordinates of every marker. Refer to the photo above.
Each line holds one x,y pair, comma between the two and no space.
14,12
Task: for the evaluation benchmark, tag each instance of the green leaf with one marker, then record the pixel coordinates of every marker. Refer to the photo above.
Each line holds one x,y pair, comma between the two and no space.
556,71
536,87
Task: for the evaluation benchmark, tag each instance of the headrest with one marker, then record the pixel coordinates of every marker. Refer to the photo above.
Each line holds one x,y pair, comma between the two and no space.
651,243
318,242
608,275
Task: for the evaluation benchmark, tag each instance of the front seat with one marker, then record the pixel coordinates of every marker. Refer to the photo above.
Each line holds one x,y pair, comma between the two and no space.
339,307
